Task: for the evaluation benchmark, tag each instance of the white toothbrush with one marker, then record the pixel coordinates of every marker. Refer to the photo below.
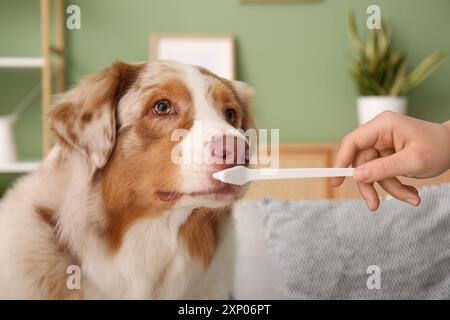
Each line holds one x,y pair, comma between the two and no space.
241,175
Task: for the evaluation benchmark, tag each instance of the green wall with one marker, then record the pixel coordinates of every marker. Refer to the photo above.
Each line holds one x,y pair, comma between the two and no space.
293,54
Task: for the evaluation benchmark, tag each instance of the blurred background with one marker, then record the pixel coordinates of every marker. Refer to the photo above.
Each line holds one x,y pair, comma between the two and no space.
294,54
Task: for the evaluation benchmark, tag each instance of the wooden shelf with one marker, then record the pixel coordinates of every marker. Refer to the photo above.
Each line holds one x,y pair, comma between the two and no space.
19,167
45,64
21,62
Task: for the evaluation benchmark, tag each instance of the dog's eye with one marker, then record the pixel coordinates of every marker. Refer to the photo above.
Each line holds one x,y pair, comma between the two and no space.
230,115
162,108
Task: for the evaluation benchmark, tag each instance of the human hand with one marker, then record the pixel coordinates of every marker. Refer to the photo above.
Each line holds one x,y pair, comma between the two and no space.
393,145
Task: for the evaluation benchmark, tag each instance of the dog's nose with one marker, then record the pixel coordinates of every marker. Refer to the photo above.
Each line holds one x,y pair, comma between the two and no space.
231,151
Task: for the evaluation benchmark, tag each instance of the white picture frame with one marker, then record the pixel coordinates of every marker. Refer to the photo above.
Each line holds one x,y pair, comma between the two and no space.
214,52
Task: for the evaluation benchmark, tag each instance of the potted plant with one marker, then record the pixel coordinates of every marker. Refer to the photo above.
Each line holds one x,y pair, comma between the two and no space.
8,151
380,72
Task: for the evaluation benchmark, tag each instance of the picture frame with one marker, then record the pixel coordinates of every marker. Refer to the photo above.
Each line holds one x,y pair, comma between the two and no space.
215,52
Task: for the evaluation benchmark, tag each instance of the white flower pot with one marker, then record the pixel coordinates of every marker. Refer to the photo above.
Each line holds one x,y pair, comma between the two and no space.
8,151
371,106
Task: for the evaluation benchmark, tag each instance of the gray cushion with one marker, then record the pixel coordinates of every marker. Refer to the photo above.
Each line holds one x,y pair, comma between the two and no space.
322,249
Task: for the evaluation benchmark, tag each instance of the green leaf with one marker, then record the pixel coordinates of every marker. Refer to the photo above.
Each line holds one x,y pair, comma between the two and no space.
399,80
384,40
381,72
354,35
372,84
353,63
355,76
371,52
393,64
394,59
424,70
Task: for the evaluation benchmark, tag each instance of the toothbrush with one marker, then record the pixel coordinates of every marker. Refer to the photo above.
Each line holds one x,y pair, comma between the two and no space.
241,175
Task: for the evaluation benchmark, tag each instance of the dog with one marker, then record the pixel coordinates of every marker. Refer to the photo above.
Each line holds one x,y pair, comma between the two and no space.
109,214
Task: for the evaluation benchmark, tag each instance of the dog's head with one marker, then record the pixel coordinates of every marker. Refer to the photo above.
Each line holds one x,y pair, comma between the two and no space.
154,133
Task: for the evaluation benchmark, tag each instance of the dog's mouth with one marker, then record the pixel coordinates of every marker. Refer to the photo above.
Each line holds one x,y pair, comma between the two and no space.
223,191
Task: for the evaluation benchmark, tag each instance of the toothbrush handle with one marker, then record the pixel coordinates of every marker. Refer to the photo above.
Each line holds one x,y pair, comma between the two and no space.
274,174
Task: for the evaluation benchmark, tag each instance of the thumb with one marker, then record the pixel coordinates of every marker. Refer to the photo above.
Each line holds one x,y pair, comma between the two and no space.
382,168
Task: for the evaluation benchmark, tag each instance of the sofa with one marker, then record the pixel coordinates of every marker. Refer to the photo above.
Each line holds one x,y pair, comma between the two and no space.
337,249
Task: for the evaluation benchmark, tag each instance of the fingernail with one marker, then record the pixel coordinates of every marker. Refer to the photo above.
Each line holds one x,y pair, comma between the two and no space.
369,205
413,202
361,174
334,182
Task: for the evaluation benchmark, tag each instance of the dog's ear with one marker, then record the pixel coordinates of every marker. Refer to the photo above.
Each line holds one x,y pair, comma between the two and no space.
85,117
245,94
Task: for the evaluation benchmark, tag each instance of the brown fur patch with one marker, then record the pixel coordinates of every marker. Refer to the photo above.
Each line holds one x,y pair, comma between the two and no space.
201,233
86,117
225,99
47,271
225,94
129,185
91,99
126,75
47,215
48,266
208,73
173,90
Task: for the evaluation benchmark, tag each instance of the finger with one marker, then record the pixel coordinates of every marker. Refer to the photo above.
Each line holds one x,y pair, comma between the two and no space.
413,189
367,190
346,154
400,191
363,137
384,168
336,181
